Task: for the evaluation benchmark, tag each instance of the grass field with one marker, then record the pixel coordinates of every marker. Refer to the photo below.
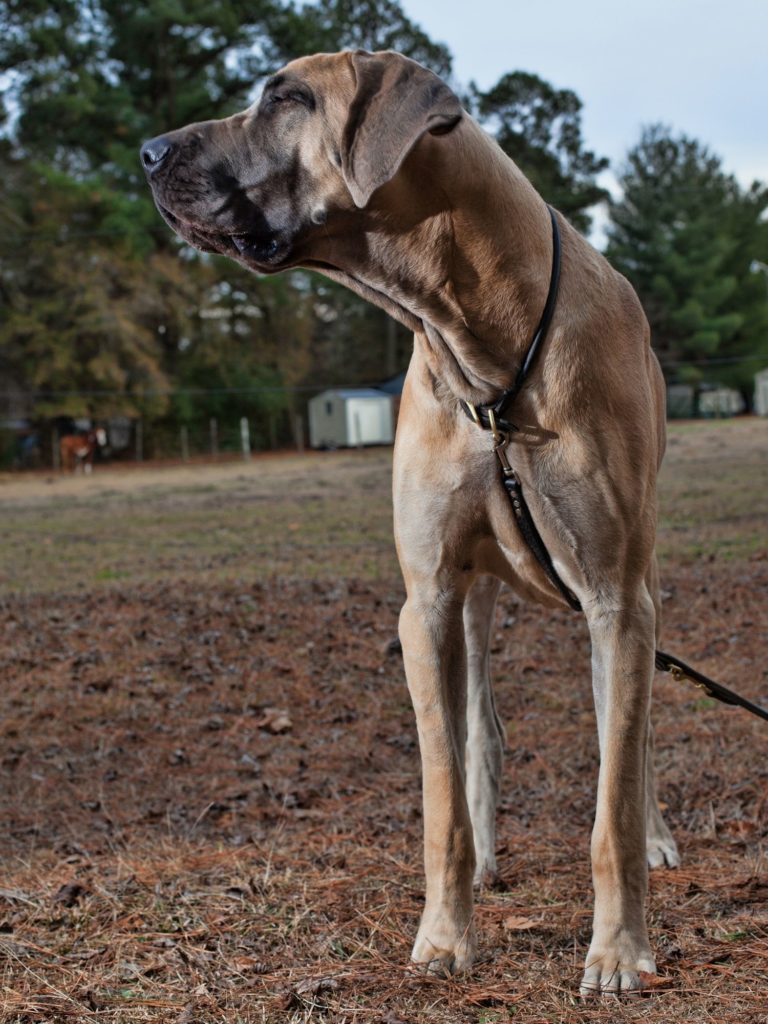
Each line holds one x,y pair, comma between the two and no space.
211,796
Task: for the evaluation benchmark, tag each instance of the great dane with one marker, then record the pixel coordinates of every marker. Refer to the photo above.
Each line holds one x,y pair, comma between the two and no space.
364,166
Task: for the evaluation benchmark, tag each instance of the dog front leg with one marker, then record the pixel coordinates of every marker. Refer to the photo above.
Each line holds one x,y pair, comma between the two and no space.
485,733
432,635
622,663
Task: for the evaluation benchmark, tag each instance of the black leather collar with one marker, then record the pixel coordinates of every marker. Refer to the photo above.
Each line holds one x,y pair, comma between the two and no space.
479,414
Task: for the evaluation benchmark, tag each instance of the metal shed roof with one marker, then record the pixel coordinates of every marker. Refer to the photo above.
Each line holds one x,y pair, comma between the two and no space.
354,393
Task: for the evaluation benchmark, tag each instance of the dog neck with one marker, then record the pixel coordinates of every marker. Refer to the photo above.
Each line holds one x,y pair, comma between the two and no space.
464,261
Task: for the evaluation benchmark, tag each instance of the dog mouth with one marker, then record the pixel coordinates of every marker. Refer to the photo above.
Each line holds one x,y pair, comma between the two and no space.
260,250
256,249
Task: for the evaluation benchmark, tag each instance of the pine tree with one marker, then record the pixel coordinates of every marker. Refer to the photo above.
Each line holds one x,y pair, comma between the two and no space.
329,25
539,126
685,234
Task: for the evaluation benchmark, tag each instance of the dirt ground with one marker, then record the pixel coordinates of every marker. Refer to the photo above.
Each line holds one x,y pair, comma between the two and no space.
210,779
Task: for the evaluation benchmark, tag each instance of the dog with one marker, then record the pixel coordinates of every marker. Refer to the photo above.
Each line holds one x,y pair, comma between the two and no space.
364,166
77,451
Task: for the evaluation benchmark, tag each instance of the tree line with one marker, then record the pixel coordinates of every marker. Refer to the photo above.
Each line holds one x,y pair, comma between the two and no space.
104,312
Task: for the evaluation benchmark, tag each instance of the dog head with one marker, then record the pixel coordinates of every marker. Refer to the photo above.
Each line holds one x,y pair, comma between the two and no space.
326,133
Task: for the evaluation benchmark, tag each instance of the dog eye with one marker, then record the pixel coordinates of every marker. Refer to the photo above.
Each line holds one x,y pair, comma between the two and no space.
277,98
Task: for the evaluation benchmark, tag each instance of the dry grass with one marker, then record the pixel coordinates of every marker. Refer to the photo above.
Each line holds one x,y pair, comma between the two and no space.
210,774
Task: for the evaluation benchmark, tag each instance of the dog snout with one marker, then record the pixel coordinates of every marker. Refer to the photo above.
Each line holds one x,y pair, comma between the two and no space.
155,152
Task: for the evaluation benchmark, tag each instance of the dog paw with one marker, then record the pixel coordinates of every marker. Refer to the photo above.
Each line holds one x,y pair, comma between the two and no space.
486,873
442,949
615,973
490,879
661,851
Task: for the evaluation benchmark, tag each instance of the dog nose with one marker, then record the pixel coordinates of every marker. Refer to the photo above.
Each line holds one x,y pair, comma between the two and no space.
154,153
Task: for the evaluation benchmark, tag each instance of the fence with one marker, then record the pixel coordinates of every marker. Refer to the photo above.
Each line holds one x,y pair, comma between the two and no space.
238,436
37,445
33,443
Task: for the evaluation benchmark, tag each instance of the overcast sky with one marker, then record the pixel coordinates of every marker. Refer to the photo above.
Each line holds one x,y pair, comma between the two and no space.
698,65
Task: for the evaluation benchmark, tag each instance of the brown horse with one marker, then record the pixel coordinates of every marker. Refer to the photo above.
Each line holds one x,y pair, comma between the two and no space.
77,450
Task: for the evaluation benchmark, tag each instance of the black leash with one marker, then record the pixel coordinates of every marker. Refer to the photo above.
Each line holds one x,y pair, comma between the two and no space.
492,416
681,671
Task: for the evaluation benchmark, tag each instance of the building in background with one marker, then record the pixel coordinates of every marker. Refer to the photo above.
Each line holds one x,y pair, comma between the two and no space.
350,417
761,393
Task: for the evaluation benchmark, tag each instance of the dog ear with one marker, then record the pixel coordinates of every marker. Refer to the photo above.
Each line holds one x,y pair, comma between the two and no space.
396,102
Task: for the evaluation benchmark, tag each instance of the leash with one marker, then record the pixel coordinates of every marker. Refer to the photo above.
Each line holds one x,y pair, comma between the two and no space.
492,416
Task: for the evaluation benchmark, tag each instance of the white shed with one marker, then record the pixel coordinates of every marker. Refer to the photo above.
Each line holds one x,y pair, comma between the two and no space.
761,393
721,401
349,418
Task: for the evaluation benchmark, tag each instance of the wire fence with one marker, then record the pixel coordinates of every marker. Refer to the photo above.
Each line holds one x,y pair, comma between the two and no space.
241,435
277,418
82,443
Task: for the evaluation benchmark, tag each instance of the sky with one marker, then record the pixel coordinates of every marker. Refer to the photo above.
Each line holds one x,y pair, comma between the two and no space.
700,66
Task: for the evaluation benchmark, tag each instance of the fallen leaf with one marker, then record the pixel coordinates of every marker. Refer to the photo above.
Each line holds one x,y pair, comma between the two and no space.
739,829
316,986
306,991
518,924
275,720
649,981
249,963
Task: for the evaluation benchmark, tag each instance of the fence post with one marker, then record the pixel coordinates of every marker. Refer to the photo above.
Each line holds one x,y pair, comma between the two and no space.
184,437
272,431
139,440
214,430
245,438
298,432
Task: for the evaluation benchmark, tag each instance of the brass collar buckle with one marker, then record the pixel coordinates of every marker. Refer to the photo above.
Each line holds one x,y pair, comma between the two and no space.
500,442
500,437
472,410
